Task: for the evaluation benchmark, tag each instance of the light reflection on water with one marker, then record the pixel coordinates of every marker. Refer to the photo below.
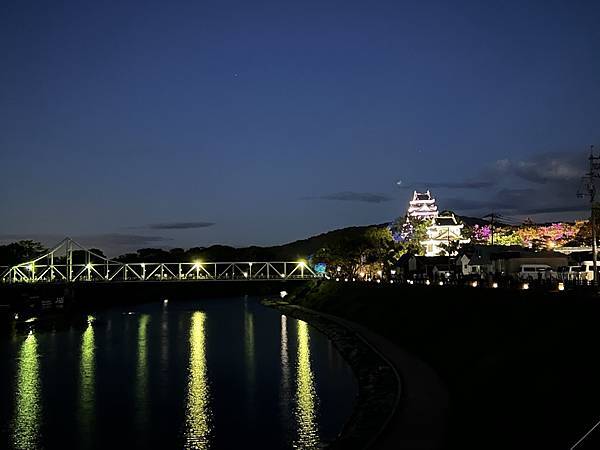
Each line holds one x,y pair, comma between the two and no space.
198,418
28,410
306,396
249,358
87,370
142,404
285,391
195,377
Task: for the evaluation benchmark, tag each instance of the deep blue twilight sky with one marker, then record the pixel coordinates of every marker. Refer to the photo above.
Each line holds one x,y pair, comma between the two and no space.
134,124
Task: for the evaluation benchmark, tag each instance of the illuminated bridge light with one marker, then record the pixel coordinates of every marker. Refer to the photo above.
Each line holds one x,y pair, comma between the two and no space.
198,417
28,407
306,396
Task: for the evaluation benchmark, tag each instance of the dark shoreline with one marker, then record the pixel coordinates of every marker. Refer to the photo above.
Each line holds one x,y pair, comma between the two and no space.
519,366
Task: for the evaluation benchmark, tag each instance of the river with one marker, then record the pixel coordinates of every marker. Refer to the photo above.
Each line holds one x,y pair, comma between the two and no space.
216,373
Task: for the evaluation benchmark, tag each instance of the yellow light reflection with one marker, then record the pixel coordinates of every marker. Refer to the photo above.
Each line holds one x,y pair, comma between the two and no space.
87,367
306,396
28,409
198,418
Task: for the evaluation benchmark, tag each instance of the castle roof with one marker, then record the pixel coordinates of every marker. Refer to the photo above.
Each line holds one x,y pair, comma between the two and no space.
445,221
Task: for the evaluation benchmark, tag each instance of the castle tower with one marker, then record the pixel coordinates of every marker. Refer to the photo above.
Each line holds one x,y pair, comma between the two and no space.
422,206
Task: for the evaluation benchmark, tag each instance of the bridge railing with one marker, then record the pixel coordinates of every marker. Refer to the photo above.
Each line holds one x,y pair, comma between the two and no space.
58,266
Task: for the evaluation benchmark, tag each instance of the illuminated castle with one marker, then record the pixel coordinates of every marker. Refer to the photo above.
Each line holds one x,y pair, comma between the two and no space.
422,206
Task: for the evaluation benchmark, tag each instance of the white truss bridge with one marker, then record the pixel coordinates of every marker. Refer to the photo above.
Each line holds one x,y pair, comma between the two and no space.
71,262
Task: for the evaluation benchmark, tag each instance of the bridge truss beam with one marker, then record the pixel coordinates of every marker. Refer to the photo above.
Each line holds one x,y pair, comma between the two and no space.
71,262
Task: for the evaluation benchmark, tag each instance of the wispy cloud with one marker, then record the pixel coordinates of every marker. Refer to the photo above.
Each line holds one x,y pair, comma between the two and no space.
448,184
543,183
520,202
348,196
179,225
544,168
118,239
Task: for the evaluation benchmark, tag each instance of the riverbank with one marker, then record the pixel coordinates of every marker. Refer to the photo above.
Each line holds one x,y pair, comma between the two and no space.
377,421
518,365
378,383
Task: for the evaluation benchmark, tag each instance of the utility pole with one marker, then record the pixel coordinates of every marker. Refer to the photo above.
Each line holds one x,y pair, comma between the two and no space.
589,190
492,217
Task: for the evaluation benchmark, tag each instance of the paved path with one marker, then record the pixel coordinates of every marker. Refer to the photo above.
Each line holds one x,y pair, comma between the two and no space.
421,418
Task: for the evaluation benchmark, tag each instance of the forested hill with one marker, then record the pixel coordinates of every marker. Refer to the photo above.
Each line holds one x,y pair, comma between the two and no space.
292,251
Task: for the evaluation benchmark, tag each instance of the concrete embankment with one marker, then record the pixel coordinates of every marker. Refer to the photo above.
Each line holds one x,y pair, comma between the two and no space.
518,365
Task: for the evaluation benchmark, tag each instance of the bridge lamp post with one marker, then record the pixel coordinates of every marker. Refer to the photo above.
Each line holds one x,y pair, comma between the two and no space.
143,270
31,268
197,265
88,267
302,263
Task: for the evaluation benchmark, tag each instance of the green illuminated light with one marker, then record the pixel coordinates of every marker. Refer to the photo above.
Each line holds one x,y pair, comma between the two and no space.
28,407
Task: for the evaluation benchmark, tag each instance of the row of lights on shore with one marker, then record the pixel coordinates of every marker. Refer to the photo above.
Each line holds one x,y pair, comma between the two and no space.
494,285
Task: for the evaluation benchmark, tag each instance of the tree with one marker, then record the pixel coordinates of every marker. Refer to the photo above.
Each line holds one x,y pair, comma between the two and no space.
408,233
507,236
375,246
21,251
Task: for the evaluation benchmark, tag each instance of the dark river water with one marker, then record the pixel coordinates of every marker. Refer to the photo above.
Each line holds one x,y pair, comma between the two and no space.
219,374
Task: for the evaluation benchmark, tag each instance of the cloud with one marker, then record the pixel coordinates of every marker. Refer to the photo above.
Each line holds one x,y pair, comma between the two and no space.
449,184
520,202
179,225
543,183
118,239
544,167
347,196
556,209
465,204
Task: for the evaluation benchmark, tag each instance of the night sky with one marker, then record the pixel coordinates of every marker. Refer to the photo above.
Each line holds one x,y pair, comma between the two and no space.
136,124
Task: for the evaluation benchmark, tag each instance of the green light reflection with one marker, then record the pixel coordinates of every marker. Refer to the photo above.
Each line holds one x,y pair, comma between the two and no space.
142,373
306,396
28,409
198,416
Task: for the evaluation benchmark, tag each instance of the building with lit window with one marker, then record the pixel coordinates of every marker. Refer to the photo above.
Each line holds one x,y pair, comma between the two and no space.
442,234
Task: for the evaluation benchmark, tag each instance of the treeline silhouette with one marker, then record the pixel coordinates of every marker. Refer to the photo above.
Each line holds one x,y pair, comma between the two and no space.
27,250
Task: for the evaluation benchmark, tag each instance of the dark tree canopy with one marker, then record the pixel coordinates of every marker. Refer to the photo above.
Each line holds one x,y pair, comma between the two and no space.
21,251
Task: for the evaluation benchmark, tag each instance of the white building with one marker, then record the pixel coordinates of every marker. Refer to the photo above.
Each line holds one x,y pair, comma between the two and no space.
422,206
443,231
